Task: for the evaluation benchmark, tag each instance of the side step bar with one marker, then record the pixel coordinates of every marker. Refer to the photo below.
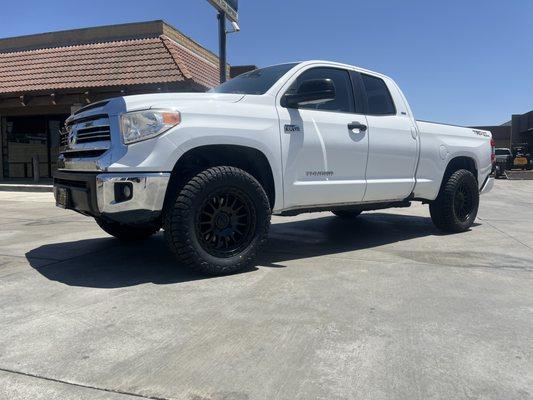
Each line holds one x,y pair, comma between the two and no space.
361,207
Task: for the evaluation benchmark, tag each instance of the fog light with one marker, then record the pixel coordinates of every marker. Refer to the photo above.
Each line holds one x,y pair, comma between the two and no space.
123,191
126,191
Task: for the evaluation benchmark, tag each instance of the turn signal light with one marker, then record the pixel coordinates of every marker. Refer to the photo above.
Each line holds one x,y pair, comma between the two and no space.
171,118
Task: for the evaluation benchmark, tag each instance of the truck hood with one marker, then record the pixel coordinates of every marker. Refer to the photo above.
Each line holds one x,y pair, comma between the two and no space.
157,100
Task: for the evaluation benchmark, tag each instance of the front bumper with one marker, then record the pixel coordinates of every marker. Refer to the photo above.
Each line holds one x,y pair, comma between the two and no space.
101,195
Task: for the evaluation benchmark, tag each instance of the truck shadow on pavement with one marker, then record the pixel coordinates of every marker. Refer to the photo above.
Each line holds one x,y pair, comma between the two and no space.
109,263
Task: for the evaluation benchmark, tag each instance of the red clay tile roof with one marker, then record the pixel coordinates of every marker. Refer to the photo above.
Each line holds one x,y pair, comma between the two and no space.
119,63
192,66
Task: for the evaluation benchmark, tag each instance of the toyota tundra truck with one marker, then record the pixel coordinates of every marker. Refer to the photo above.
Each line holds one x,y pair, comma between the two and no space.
210,169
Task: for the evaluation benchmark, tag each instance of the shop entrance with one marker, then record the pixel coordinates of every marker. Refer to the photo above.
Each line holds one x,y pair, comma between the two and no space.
27,137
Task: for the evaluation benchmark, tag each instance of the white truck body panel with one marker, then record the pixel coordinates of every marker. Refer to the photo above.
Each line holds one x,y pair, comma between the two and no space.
441,143
396,158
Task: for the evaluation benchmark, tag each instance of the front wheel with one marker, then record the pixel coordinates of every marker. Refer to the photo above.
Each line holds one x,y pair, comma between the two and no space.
218,222
455,208
127,232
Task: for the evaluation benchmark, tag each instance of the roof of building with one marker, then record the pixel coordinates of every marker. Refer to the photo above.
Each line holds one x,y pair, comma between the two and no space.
105,63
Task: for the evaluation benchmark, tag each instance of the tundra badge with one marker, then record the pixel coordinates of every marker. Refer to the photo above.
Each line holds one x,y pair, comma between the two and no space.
291,128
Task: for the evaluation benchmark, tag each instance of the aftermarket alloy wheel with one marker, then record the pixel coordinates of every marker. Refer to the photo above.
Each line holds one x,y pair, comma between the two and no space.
347,213
127,232
218,221
455,208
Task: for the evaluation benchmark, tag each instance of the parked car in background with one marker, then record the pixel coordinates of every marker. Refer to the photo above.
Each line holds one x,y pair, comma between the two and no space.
211,168
504,161
504,156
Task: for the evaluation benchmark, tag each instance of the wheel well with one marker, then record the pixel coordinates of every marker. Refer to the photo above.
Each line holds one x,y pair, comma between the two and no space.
458,163
246,158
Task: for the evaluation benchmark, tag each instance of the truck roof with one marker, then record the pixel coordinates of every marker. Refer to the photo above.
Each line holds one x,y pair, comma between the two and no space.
342,65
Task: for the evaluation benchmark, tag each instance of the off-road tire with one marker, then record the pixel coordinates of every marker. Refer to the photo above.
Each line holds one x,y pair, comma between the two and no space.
347,213
446,211
127,232
185,218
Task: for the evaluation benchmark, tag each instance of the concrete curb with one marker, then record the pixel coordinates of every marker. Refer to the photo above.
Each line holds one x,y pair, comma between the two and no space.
17,187
519,175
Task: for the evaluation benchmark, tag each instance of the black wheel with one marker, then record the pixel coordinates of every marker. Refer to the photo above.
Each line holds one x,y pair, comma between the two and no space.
347,213
455,208
218,221
127,231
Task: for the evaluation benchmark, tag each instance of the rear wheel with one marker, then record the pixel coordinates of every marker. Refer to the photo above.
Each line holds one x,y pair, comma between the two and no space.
347,213
218,222
127,231
456,206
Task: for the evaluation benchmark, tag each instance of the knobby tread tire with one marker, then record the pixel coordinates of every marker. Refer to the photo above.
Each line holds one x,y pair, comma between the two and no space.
442,208
127,232
179,220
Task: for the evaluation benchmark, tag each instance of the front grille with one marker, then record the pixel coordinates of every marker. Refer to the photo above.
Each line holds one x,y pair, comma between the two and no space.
88,136
63,137
94,134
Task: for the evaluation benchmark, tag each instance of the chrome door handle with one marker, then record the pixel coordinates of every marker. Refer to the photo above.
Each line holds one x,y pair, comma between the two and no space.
357,125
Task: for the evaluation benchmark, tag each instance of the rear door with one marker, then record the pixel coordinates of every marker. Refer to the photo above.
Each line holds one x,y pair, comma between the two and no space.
324,156
393,142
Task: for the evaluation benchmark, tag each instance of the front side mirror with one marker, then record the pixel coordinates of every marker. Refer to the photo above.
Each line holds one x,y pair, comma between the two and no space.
311,91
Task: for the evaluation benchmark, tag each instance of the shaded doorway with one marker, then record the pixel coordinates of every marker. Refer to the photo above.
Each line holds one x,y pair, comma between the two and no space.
28,137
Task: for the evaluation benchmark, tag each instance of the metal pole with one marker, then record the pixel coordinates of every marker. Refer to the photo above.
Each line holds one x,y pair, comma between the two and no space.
222,45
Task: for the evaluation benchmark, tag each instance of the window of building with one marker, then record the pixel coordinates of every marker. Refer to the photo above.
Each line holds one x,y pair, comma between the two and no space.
26,138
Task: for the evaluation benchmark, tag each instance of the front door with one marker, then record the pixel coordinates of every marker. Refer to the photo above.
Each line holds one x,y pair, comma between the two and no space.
324,146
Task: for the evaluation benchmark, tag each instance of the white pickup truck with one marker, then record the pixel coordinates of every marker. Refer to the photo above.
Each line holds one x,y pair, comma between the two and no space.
210,168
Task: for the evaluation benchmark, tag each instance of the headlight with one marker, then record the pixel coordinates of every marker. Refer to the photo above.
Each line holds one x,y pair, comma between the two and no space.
142,125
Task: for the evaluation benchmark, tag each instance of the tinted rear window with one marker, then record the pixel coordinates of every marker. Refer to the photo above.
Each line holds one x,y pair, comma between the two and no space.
378,95
254,82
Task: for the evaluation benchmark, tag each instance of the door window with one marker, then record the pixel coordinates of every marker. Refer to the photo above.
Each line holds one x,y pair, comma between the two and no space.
343,101
378,96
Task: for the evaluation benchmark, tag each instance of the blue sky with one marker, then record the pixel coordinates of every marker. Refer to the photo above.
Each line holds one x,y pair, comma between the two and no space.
466,62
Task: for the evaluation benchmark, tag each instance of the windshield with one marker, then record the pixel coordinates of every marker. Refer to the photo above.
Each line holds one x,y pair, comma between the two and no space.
254,82
502,152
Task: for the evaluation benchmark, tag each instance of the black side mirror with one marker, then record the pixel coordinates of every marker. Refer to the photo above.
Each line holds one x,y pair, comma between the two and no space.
311,91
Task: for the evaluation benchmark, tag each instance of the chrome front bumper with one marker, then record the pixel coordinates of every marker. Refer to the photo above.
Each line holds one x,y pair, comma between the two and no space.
148,192
102,195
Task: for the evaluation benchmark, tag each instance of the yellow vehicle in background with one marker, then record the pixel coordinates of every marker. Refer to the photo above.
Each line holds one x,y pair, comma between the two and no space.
521,157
